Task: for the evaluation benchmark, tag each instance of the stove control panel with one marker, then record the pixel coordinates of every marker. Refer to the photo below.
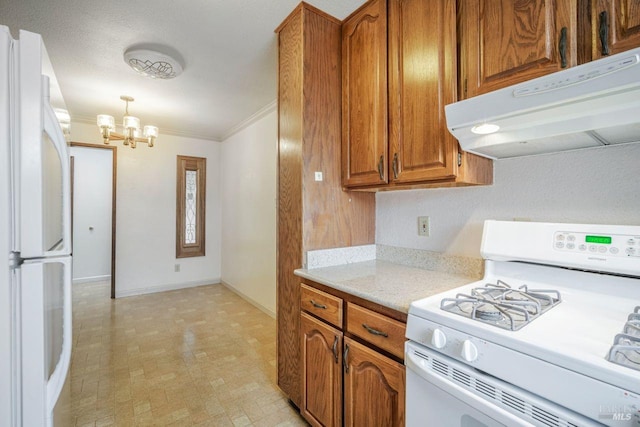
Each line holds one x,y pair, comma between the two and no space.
616,245
453,343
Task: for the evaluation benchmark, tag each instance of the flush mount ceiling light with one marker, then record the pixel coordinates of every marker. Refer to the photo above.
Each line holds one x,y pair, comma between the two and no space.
131,126
151,62
485,128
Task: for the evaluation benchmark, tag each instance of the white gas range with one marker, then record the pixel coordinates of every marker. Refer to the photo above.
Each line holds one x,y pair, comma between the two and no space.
550,336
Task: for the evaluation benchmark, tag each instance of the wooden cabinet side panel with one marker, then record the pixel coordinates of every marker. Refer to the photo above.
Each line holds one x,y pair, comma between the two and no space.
422,80
289,224
332,217
623,23
509,42
374,388
364,96
321,373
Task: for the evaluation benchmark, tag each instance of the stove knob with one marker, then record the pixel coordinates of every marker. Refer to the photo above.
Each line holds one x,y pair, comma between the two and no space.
438,339
469,351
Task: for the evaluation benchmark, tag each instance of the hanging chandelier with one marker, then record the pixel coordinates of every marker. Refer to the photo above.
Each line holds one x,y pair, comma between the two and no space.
131,128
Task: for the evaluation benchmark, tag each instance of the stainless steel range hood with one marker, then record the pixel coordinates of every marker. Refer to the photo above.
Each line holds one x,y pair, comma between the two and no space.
590,105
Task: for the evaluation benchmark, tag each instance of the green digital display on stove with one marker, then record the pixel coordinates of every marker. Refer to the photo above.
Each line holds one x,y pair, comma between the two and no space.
605,240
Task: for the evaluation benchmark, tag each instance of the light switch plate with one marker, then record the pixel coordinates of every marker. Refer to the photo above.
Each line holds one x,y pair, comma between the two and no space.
424,226
318,176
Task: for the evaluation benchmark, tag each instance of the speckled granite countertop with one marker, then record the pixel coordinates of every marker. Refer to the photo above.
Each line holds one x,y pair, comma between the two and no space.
392,285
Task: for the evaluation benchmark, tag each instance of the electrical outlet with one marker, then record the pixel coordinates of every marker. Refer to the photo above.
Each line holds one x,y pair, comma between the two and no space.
176,268
318,176
424,227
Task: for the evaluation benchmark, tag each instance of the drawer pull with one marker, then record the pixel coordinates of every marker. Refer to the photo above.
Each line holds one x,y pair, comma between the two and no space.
316,305
335,348
375,331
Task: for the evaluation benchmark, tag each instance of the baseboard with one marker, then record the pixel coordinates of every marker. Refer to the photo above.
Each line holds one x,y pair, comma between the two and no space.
164,288
91,279
248,299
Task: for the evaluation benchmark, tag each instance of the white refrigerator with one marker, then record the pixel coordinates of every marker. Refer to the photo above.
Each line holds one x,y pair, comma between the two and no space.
35,221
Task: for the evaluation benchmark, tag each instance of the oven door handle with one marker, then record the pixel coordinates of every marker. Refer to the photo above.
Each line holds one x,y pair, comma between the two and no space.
417,365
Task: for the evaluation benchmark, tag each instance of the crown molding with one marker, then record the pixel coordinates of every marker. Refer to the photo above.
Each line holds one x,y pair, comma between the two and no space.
250,120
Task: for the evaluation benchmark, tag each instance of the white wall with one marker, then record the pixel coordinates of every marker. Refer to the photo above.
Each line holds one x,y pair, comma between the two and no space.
92,213
249,211
597,186
146,209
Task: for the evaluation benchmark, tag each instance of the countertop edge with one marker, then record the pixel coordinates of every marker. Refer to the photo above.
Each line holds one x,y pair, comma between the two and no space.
399,295
350,290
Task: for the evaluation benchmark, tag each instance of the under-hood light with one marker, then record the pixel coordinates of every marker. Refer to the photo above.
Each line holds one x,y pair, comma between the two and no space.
485,128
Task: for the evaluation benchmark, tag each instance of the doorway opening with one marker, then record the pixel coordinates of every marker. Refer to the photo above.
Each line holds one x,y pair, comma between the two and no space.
93,211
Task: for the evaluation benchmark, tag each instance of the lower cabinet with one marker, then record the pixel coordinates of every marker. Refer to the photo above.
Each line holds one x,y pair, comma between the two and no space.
322,372
374,387
346,378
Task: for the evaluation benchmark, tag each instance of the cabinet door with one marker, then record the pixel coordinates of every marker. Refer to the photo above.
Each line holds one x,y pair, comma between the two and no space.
364,96
504,42
321,373
422,76
374,387
617,23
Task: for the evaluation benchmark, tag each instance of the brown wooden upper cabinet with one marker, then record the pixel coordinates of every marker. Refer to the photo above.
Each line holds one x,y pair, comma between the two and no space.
364,96
399,70
504,42
615,26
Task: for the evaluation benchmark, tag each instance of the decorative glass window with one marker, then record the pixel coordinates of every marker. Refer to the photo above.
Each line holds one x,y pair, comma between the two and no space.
190,206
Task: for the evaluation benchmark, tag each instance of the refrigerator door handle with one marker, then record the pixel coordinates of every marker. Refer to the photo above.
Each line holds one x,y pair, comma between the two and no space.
59,375
52,128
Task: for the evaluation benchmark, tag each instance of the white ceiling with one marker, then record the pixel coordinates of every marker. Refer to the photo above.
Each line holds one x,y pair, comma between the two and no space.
228,49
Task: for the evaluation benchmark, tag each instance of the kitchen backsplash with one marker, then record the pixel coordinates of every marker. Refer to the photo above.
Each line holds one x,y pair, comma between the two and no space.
428,260
340,256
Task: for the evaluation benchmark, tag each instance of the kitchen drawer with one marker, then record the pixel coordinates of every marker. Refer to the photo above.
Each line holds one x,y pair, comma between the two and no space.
378,329
321,304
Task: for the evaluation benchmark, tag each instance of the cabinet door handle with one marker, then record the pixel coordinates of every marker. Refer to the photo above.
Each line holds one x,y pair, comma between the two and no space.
603,32
395,166
335,348
562,46
374,331
381,167
316,305
345,359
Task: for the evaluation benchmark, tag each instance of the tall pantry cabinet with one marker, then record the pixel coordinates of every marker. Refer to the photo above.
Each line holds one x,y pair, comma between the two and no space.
312,214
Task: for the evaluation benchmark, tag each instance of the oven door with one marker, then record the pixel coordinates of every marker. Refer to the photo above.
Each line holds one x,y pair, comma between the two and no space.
433,400
446,393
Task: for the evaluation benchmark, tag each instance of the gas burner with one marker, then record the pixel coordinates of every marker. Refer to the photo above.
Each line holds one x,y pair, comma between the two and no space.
501,305
625,351
487,311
